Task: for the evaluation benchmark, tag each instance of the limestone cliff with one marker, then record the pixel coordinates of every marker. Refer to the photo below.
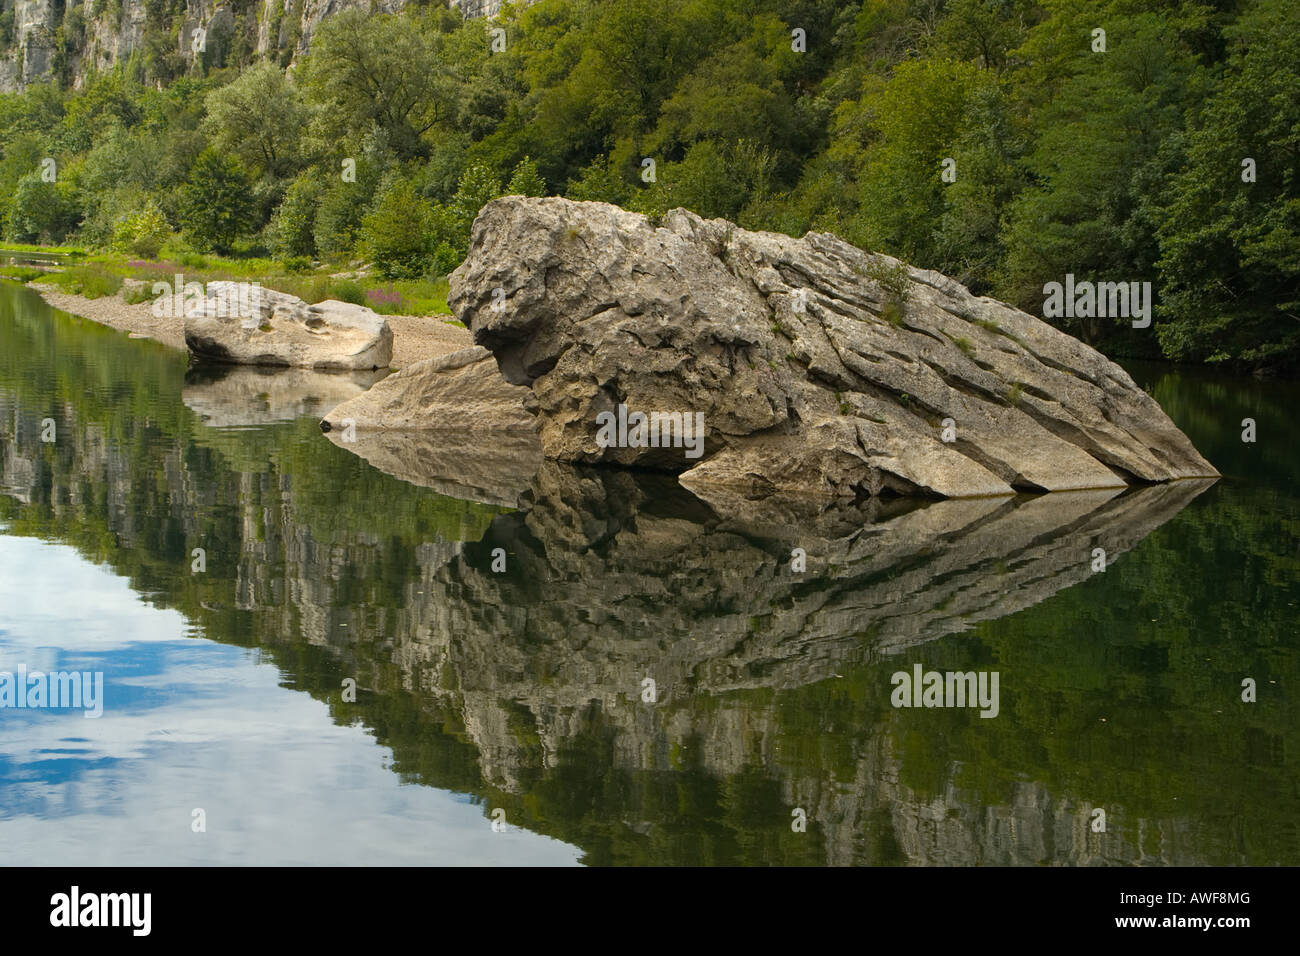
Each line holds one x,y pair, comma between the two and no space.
67,40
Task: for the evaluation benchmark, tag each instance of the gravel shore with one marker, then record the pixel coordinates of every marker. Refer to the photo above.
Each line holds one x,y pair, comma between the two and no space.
414,337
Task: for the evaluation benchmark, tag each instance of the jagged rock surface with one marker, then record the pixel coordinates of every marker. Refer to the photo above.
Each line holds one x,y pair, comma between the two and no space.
274,328
819,368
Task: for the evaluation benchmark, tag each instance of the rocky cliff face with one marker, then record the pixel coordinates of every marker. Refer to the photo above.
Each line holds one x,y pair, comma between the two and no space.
68,39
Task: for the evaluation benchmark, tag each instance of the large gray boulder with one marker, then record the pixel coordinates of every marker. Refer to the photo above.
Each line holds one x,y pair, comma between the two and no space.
247,325
817,367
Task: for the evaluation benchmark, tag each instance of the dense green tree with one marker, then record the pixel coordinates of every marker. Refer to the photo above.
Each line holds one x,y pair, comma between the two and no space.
258,119
348,194
108,100
1230,218
378,69
913,126
1097,153
41,211
987,175
437,179
477,187
397,232
294,224
737,94
983,31
601,181
711,180
20,155
216,205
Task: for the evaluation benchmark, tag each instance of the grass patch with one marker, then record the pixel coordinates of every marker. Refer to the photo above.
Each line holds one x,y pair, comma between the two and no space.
21,273
400,297
93,280
990,326
409,297
962,343
102,274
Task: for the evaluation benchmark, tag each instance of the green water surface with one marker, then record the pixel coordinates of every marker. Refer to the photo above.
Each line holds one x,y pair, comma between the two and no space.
524,690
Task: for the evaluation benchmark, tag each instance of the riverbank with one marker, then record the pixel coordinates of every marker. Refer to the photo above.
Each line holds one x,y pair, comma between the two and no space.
414,337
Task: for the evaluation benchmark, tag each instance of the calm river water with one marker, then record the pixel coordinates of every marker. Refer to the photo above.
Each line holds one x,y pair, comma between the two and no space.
648,680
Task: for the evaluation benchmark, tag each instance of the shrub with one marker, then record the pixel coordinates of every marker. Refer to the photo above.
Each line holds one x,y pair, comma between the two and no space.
525,180
21,273
892,279
292,232
893,282
395,234
345,290
143,233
